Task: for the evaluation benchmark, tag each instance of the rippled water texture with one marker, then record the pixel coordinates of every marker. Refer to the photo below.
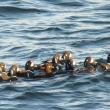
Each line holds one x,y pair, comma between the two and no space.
36,29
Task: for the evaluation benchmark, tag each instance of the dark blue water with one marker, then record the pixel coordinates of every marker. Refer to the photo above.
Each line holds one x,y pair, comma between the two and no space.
36,29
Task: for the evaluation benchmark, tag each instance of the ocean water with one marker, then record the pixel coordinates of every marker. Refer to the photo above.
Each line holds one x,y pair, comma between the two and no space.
37,29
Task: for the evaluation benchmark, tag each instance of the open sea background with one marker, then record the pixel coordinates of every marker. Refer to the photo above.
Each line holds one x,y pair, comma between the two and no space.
36,29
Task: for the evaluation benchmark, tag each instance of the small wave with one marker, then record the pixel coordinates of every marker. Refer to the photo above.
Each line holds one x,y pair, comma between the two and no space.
91,42
81,83
75,4
19,48
88,105
12,9
29,95
106,77
56,29
97,22
105,7
9,88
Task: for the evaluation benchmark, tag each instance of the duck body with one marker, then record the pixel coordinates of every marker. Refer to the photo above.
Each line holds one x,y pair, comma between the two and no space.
31,66
47,71
57,62
89,69
2,67
68,60
16,71
5,77
90,66
105,67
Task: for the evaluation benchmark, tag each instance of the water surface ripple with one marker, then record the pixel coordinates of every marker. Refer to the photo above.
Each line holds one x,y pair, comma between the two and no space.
36,29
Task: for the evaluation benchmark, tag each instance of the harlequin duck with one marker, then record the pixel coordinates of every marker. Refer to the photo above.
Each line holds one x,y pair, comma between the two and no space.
57,62
106,66
47,71
90,66
48,67
5,77
67,55
70,64
89,61
68,60
31,66
57,58
16,71
3,67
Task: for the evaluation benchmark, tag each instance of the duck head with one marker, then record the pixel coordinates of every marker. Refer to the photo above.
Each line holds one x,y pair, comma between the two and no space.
67,55
29,65
70,64
2,67
108,58
89,61
14,69
57,58
48,68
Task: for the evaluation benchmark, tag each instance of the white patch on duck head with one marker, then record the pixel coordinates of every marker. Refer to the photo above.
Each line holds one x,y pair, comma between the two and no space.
70,55
74,62
32,64
12,73
60,58
56,60
18,69
91,60
5,66
0,69
66,54
49,66
106,67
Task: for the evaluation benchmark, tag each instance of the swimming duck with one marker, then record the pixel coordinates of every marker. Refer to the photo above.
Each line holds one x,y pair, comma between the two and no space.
4,77
70,64
48,67
68,60
106,66
16,71
90,66
3,67
47,71
89,61
57,62
67,55
31,66
57,58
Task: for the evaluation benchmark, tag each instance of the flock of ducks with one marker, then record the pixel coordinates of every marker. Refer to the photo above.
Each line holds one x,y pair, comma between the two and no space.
59,62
